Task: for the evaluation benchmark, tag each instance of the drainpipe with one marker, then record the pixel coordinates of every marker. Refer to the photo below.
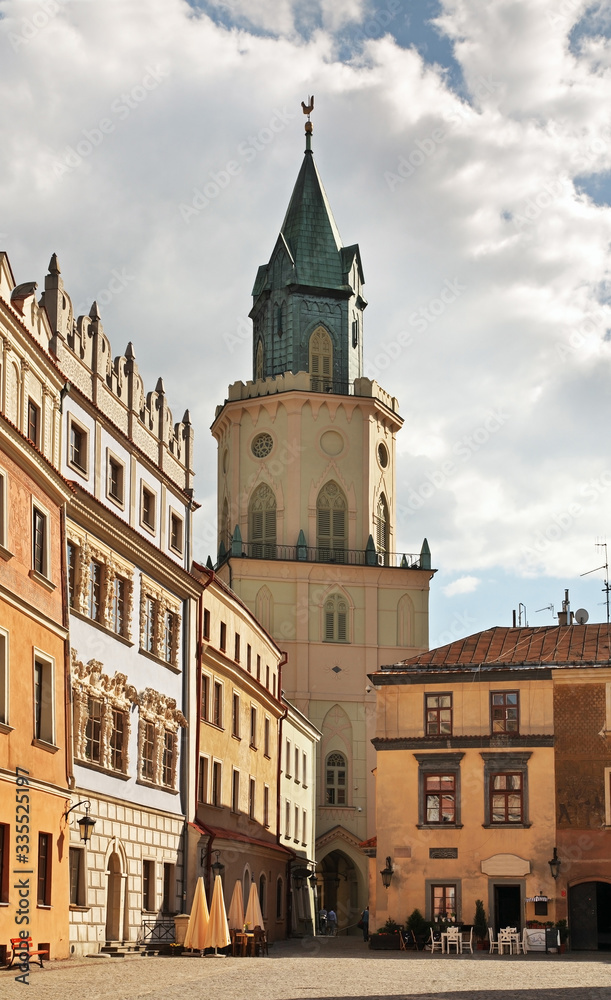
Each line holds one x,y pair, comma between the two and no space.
198,659
66,624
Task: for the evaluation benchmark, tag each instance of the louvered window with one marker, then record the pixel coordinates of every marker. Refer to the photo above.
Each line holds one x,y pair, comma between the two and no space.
331,523
321,361
381,526
263,523
335,618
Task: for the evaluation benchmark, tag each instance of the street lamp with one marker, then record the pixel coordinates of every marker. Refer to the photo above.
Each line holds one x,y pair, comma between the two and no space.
85,824
387,872
554,864
313,881
217,867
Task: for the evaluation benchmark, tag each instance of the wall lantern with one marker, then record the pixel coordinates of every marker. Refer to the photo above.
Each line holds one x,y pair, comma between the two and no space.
554,864
217,867
85,824
313,881
387,872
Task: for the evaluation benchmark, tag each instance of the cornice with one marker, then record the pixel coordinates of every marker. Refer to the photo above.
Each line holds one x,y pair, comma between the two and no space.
463,742
215,660
92,515
32,461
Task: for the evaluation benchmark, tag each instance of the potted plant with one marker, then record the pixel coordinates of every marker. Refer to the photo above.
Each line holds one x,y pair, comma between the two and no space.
387,937
480,924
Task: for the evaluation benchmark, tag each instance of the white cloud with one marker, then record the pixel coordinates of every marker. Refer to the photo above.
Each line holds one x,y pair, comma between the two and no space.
463,585
483,200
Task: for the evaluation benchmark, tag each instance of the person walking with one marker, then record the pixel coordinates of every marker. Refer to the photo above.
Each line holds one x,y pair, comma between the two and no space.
322,920
332,922
365,923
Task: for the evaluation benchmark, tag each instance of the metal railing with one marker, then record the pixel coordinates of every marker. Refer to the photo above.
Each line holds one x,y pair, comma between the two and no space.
157,930
311,554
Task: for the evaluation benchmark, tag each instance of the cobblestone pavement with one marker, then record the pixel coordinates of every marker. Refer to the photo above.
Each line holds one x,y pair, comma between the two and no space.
338,969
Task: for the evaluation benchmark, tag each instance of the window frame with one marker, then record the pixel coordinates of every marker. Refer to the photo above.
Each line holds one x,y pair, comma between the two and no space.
441,764
216,788
504,693
336,785
440,794
206,625
41,567
77,886
267,737
44,870
235,790
253,727
48,666
33,411
335,630
5,688
252,797
146,490
218,697
437,710
203,778
75,426
506,763
149,894
176,520
113,460
504,794
5,862
4,509
204,701
432,885
235,716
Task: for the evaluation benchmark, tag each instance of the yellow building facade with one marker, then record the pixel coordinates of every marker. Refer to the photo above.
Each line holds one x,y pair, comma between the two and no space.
34,750
465,785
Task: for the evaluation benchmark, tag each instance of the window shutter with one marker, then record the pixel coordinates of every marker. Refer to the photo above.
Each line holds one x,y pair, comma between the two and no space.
270,526
342,626
329,623
324,523
339,526
257,525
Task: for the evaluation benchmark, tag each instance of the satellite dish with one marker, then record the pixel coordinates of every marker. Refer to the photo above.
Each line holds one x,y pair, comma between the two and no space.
581,616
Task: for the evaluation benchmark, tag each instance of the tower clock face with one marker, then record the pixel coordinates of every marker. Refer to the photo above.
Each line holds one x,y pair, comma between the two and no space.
262,445
383,455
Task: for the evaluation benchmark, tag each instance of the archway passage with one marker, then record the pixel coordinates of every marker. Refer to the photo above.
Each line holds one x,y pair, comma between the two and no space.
114,899
339,890
590,916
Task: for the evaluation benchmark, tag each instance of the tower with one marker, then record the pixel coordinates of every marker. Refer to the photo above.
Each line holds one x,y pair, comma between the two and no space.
307,518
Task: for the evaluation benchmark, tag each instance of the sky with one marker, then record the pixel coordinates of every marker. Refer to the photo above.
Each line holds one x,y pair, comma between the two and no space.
466,147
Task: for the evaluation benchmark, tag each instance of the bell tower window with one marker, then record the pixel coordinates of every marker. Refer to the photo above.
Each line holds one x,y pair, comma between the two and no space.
262,517
331,518
381,525
259,363
321,361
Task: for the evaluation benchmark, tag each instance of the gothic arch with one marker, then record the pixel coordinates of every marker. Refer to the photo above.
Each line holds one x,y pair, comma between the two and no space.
320,363
331,519
336,737
259,362
262,522
382,527
264,608
405,621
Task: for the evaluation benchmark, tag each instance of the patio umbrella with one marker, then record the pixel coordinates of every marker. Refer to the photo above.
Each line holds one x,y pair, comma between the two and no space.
254,917
198,920
235,916
217,932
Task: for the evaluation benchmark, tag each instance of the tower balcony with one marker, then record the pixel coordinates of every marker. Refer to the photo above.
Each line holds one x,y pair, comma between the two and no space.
315,554
306,382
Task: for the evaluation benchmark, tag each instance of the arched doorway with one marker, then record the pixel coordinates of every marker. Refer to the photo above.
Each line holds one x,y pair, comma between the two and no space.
115,899
338,889
590,916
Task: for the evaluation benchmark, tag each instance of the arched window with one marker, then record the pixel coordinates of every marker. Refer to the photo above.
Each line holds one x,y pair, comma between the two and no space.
279,898
321,361
259,362
264,608
336,780
335,617
263,894
381,527
331,523
262,516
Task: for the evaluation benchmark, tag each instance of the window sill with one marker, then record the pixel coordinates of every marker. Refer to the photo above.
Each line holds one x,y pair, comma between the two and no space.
439,826
43,745
215,725
506,826
175,551
118,501
78,469
40,578
5,553
267,756
77,908
253,746
44,906
101,627
160,660
345,808
5,728
160,788
91,764
234,736
147,527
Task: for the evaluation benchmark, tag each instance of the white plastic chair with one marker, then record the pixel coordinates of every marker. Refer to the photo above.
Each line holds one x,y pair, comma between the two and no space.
494,945
434,944
454,937
467,941
505,940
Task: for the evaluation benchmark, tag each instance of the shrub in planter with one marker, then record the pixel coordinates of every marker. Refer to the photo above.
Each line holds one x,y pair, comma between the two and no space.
417,924
480,924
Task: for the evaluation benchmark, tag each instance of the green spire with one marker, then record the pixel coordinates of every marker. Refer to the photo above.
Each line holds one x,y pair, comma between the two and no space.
310,230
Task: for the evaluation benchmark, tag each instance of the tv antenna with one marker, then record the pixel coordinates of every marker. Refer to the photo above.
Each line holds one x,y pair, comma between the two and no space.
605,566
548,607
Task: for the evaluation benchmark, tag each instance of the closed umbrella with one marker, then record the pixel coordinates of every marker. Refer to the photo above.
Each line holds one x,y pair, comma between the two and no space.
254,917
217,933
235,916
198,920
